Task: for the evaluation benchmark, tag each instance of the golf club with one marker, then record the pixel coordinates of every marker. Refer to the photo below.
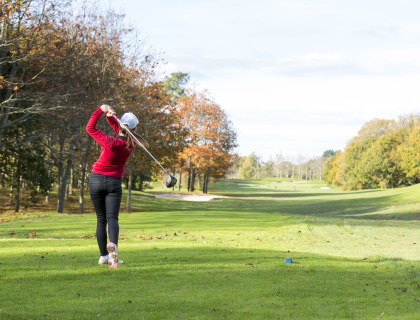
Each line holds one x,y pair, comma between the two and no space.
170,180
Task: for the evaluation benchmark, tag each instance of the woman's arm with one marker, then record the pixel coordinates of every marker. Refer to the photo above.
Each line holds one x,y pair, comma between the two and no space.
97,134
112,121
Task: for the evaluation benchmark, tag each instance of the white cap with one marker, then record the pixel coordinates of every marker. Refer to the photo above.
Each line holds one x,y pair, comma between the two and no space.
130,120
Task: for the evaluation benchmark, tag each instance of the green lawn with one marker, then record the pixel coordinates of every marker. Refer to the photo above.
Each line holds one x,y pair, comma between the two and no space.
355,255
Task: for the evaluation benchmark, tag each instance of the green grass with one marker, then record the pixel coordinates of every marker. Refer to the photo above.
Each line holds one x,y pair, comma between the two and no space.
355,256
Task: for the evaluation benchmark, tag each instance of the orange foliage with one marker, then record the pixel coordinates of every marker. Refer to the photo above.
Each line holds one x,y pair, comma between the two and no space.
210,138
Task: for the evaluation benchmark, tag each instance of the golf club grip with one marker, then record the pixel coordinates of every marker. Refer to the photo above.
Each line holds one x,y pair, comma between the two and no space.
141,144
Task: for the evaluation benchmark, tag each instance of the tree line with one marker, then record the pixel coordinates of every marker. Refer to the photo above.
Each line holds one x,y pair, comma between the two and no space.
280,166
384,154
58,65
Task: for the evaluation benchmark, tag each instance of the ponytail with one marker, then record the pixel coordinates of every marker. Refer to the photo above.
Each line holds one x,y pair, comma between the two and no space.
130,141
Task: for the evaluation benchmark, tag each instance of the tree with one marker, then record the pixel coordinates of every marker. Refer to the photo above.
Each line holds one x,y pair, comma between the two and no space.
210,137
174,85
22,30
329,153
408,157
267,168
278,165
355,174
250,166
384,154
24,161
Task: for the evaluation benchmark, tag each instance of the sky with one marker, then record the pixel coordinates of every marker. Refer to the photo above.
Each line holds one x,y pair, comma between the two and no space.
294,77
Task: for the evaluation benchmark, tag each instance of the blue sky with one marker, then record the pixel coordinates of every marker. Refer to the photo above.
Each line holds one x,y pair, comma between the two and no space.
296,77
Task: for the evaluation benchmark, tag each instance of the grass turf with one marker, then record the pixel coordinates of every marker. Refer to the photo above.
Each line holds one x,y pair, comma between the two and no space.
355,256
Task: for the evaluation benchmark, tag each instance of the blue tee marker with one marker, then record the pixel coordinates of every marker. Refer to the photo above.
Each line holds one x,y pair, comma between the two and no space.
288,260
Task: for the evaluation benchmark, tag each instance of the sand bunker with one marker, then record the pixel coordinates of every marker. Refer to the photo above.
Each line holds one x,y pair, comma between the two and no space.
188,197
249,185
290,182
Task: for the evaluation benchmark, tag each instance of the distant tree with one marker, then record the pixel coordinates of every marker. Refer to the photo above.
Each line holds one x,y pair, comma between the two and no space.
233,172
247,169
267,169
378,168
385,153
175,84
250,167
278,165
408,157
329,153
355,159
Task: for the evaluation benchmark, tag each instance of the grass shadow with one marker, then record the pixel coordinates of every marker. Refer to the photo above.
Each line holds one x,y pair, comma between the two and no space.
206,283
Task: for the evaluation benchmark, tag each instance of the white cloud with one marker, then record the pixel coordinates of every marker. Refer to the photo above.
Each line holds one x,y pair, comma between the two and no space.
312,114
293,75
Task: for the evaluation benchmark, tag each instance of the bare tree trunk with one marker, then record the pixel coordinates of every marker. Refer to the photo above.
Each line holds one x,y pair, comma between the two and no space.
63,184
60,164
83,179
200,185
180,179
47,197
130,184
82,189
18,183
11,188
205,183
192,179
173,173
68,187
190,169
70,183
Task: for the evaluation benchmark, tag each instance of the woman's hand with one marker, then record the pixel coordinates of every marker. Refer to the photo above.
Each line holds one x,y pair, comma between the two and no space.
105,108
110,112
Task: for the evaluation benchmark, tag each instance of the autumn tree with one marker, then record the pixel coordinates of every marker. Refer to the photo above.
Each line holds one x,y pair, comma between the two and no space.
160,126
87,59
22,25
332,171
22,43
384,154
356,151
210,140
407,153
79,69
57,65
250,166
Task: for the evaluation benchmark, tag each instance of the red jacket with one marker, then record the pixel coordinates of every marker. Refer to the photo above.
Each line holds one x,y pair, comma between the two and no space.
114,152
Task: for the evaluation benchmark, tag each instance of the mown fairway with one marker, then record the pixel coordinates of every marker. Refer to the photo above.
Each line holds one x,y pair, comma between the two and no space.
355,256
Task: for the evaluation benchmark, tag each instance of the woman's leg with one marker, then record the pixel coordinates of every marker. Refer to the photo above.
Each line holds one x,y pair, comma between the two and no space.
98,194
112,204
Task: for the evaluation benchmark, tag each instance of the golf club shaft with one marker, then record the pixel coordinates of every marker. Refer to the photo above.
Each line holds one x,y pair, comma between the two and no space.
122,125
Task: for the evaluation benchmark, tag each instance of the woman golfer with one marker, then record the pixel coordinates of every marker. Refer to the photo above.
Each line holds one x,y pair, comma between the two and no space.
105,180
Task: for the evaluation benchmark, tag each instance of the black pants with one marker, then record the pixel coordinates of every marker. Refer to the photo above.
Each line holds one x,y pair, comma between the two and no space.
106,193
